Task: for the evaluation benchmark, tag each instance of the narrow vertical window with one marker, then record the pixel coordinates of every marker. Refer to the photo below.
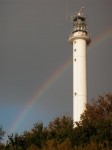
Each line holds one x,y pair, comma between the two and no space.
74,42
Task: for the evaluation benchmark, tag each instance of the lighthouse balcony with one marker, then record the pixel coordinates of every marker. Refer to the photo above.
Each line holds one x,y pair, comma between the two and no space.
79,35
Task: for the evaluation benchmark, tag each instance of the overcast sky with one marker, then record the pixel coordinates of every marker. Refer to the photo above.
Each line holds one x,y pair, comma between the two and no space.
34,48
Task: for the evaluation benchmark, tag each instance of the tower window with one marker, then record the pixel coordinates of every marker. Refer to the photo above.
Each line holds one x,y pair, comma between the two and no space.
75,93
75,50
75,59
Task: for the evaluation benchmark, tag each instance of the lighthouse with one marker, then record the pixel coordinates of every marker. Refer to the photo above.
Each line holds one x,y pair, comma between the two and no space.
80,39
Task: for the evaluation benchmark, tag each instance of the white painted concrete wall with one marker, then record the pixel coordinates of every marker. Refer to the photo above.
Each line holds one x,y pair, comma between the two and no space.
79,78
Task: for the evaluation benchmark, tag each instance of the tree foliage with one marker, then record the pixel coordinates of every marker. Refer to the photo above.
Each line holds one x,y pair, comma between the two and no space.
93,131
61,128
1,134
96,121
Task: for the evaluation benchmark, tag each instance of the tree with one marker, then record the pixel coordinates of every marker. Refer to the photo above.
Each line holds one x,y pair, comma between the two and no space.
17,142
96,121
1,134
33,147
61,128
39,134
50,145
65,145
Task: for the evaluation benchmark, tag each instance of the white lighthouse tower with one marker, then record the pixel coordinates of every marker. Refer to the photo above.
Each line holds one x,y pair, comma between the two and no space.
79,38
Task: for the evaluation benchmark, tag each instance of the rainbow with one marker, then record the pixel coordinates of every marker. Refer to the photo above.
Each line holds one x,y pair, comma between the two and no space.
51,80
102,37
39,93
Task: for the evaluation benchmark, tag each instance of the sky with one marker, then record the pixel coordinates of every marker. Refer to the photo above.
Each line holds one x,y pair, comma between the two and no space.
36,59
